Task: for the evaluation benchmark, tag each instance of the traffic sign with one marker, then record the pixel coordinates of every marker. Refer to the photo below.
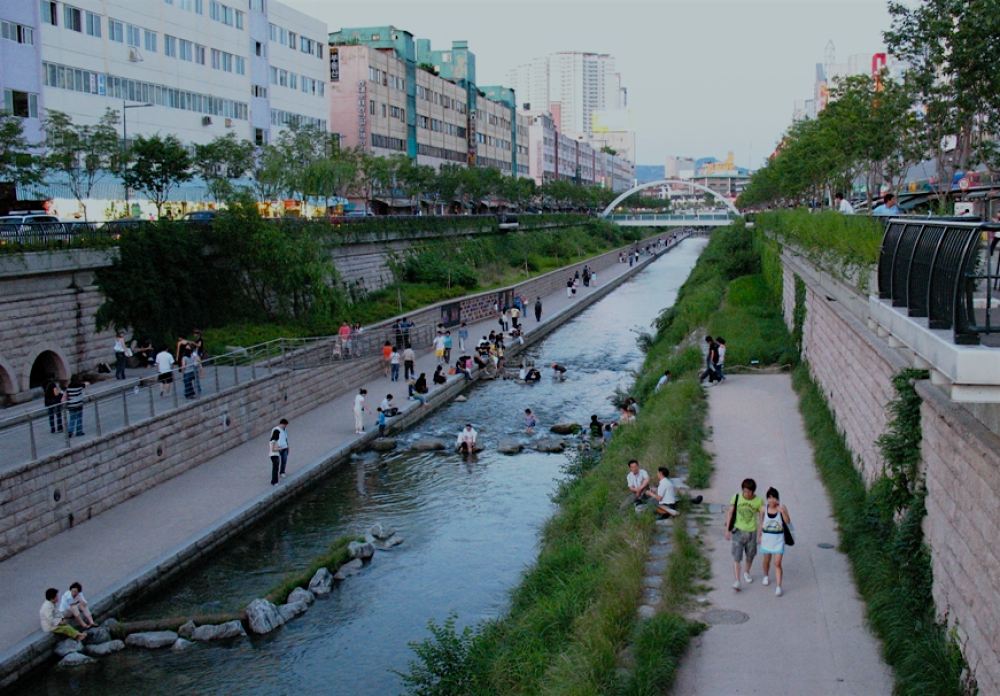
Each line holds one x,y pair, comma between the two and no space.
963,184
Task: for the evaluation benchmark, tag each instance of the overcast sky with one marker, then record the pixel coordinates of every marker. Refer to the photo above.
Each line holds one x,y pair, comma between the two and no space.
704,76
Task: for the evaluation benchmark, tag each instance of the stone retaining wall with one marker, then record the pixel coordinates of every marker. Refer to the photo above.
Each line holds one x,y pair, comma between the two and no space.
853,366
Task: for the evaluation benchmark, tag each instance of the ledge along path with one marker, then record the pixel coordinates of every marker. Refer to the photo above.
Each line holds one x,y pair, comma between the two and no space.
122,554
812,640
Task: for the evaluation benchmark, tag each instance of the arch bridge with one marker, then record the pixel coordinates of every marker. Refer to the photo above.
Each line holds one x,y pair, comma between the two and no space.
714,218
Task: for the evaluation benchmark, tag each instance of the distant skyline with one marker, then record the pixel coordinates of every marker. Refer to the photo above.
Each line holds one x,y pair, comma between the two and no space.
703,77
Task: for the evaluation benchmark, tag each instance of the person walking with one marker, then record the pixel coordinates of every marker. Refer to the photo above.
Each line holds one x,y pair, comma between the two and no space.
409,357
394,365
463,336
720,358
439,348
887,206
53,403
359,411
538,309
275,456
73,403
279,434
515,317
189,367
121,351
771,537
165,369
742,529
710,360
447,347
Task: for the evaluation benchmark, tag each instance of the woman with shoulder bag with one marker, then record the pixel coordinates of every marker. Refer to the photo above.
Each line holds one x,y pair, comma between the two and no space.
775,533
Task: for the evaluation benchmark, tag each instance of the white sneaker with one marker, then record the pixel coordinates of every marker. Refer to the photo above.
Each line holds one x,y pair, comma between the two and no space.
747,578
766,581
778,592
736,585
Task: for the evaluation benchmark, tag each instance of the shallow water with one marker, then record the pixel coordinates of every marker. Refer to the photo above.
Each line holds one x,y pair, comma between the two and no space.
470,529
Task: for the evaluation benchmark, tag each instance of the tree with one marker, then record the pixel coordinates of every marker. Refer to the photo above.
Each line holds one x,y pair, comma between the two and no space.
17,164
220,161
951,46
159,164
268,173
83,154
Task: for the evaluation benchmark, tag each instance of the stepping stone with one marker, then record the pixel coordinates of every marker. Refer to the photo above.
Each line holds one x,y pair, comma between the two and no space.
652,581
651,595
655,567
646,611
659,551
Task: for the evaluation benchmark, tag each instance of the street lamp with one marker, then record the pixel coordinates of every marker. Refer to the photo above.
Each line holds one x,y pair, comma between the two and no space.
125,108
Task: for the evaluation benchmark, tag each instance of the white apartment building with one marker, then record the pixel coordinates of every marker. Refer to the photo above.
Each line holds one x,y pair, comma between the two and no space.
207,67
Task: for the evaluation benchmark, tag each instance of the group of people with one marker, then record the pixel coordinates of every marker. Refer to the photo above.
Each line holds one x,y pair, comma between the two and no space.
664,494
57,611
65,399
753,524
715,361
188,355
588,277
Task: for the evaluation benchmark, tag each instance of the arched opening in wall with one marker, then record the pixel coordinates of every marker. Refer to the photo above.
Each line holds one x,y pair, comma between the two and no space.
45,364
7,388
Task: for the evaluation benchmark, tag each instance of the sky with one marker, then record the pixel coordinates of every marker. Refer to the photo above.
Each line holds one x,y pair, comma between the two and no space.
704,77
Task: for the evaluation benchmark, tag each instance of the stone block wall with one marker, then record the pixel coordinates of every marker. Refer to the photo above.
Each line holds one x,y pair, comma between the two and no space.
961,462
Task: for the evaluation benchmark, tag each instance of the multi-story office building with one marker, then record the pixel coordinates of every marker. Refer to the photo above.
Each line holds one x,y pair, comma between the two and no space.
390,94
20,61
206,67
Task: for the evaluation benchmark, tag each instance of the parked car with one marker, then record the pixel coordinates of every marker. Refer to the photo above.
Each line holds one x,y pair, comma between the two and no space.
199,216
30,224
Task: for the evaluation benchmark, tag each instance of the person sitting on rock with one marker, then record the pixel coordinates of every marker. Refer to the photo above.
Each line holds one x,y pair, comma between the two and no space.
638,481
464,367
73,604
665,495
53,621
387,407
467,440
533,375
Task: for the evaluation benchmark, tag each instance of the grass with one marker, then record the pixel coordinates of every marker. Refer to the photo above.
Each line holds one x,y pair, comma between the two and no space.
335,557
896,591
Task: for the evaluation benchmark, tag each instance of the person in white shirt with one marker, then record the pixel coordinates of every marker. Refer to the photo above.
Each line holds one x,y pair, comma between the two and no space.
843,205
359,411
52,621
721,364
388,408
662,381
664,495
165,367
73,604
279,435
638,481
121,351
439,348
467,439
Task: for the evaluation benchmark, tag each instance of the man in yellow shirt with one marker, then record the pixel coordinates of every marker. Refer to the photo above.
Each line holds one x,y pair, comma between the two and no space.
52,621
742,526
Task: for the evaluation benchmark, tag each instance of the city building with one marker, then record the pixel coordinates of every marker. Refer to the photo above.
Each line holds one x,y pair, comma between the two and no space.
554,156
20,61
829,73
392,94
679,167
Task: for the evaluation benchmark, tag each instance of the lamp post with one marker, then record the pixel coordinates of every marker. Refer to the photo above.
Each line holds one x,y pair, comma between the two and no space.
125,108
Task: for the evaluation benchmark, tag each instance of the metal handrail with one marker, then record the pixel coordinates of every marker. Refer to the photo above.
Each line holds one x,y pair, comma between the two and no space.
27,438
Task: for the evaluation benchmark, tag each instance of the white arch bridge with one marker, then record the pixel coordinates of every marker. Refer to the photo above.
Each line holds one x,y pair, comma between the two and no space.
715,218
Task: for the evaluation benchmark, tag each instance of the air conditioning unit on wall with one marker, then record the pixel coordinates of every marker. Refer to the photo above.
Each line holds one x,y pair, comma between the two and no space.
229,123
134,55
206,120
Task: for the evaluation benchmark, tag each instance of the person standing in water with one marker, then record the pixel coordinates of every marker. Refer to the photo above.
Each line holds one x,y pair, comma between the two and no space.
529,421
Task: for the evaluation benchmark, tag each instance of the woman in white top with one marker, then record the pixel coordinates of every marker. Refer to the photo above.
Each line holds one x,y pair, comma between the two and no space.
771,537
359,411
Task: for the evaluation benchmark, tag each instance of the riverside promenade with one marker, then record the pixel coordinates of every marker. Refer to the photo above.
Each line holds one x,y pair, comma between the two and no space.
121,554
813,640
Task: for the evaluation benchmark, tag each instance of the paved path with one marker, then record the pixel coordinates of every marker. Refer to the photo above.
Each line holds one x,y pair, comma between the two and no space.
812,640
121,542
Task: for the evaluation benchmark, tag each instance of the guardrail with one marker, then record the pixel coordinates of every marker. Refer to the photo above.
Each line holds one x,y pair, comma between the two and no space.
931,266
41,432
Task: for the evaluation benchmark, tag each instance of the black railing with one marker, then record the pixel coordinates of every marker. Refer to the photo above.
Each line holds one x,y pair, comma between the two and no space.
930,266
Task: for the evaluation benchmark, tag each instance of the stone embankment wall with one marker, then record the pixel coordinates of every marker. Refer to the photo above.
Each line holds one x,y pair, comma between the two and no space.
960,457
98,474
49,302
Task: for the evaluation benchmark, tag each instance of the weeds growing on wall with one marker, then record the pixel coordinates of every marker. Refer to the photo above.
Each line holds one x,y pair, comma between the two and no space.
880,530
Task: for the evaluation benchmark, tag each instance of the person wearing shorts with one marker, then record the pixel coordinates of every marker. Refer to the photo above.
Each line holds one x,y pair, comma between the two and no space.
165,367
742,528
771,537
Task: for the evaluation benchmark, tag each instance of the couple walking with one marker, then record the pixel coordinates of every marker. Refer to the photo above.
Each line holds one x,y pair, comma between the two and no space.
753,524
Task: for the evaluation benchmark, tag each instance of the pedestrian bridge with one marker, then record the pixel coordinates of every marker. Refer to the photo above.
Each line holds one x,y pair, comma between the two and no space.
719,219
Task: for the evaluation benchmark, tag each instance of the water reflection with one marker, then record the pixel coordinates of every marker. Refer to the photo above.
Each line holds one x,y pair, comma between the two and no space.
470,527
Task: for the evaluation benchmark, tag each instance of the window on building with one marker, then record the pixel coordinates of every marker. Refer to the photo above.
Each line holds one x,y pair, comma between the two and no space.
93,24
293,80
383,111
150,37
259,91
186,50
18,33
257,6
73,18
199,54
241,65
23,104
259,137
50,13
132,35
169,46
116,31
371,107
258,48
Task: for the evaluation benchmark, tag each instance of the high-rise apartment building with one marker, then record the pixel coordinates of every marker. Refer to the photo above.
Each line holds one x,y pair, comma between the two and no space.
205,67
572,86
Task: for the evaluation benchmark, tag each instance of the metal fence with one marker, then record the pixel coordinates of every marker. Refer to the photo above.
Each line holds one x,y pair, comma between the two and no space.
41,432
936,269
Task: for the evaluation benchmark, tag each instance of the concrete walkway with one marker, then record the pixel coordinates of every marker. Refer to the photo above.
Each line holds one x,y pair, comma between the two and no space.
145,532
812,640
